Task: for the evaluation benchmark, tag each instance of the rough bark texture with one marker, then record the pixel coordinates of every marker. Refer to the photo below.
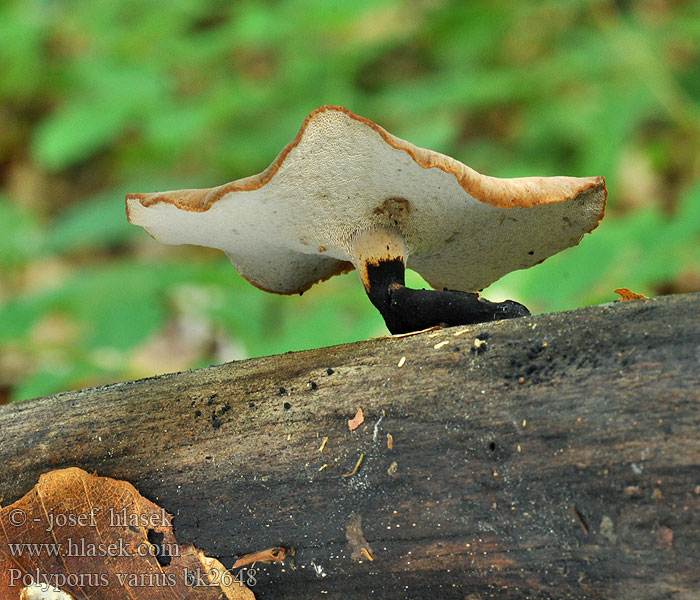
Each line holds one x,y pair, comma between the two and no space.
555,456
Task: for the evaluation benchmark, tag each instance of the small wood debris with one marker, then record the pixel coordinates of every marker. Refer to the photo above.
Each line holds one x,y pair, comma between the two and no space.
441,344
410,333
633,491
626,295
268,555
359,546
402,362
357,466
392,468
323,444
389,441
461,332
357,420
581,520
375,433
664,535
323,467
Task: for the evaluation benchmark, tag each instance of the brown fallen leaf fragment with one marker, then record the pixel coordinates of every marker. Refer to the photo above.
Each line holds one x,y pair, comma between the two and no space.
357,420
627,294
101,540
269,555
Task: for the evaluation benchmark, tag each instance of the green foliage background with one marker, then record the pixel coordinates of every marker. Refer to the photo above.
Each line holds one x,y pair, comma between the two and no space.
101,98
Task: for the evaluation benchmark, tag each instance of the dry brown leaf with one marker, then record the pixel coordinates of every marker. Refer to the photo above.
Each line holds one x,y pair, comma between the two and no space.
268,555
357,420
93,537
627,294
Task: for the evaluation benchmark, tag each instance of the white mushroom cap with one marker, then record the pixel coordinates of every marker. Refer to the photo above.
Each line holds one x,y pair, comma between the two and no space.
344,189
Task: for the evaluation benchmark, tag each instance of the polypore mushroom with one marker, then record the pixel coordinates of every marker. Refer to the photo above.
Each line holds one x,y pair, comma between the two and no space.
347,194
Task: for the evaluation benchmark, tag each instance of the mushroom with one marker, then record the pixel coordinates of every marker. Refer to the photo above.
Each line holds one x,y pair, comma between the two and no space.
347,194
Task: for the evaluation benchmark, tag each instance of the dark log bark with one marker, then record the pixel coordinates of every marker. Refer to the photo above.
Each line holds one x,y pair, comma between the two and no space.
554,456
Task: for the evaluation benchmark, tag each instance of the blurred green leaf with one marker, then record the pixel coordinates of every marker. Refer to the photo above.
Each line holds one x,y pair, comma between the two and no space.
75,132
20,234
98,222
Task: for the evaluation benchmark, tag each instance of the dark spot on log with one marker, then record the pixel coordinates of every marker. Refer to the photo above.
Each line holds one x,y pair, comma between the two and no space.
531,252
215,423
287,406
535,350
330,371
226,407
312,385
211,399
282,392
198,413
156,540
483,336
492,446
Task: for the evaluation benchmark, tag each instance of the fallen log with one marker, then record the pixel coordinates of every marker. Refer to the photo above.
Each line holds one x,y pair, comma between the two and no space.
553,456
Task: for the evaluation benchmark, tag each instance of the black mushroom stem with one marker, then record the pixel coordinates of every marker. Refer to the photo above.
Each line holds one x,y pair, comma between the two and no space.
406,310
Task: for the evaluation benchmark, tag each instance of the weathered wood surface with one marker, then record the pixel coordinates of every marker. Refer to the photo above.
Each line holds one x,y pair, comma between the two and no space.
562,460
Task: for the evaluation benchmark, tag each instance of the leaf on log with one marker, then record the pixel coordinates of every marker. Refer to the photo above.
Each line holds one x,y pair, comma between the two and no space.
269,555
357,420
626,294
77,535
